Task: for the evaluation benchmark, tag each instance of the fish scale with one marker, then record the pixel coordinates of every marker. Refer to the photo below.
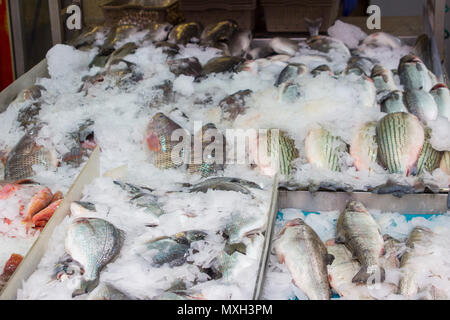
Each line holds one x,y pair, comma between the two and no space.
323,149
429,158
283,151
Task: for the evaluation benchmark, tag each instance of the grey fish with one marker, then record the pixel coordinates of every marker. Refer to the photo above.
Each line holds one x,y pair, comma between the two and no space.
26,154
220,31
422,49
188,66
429,159
234,105
362,236
300,248
421,104
159,32
419,239
222,64
394,102
171,49
324,150
284,46
159,141
400,138
239,228
183,33
240,43
224,47
325,44
93,243
384,81
441,96
118,34
381,39
223,184
32,93
413,73
142,197
108,293
362,63
322,69
291,73
89,36
174,250
259,53
119,54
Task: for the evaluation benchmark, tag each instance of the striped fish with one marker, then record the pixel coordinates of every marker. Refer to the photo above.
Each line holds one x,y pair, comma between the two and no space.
445,162
400,138
282,151
364,148
429,159
159,141
324,150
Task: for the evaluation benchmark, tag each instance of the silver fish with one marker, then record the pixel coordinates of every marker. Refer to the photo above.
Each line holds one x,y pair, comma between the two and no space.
381,39
93,243
362,236
284,46
362,63
291,73
239,227
220,31
393,102
240,43
441,96
223,184
107,292
300,248
190,67
384,81
222,64
79,209
326,44
414,75
421,104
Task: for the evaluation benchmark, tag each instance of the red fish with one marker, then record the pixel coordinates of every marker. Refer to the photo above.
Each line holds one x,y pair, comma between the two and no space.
39,202
46,214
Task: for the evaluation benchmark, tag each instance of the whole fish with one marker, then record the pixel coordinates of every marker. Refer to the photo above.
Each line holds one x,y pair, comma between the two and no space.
211,157
190,67
222,64
364,64
400,138
240,43
429,159
284,46
93,243
445,162
421,104
220,31
159,141
326,44
26,154
324,150
291,73
158,32
300,248
413,73
384,81
411,263
108,293
141,197
362,236
364,147
441,96
260,52
173,250
234,105
185,32
394,102
381,39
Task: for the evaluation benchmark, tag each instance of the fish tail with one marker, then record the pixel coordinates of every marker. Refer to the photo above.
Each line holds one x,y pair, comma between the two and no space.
370,275
86,286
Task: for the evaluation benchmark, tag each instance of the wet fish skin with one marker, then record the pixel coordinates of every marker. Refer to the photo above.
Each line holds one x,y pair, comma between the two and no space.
219,184
421,104
324,150
306,257
413,73
429,158
381,39
117,34
222,64
93,243
362,236
325,44
400,138
284,46
322,69
259,53
185,32
291,73
240,43
220,31
384,80
89,36
190,67
20,161
394,102
79,209
108,293
364,64
441,96
119,54
364,147
445,162
289,92
159,32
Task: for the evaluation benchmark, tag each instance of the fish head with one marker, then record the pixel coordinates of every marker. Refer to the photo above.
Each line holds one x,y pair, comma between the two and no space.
356,206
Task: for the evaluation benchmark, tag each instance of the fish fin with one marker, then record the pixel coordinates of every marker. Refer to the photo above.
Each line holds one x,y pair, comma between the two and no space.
85,287
329,258
364,275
